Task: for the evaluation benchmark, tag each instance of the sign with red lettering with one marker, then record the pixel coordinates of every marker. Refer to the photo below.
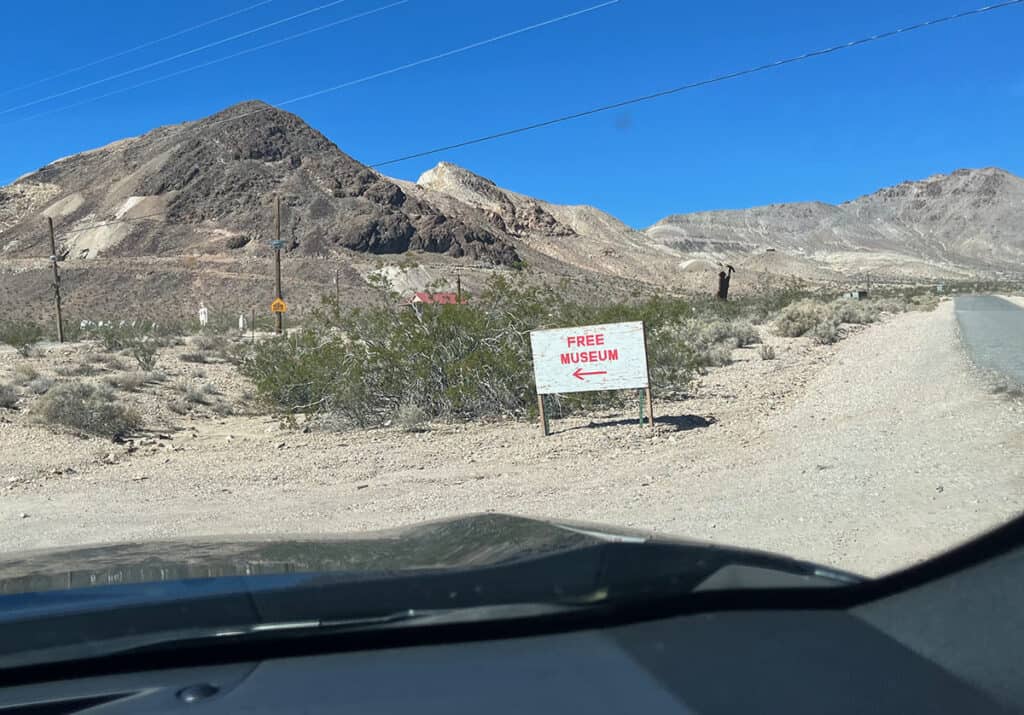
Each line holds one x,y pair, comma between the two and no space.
591,357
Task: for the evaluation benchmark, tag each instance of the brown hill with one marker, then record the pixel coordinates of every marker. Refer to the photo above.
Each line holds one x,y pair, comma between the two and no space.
207,187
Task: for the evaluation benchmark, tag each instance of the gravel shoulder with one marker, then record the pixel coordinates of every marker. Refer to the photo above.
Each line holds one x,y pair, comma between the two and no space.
868,455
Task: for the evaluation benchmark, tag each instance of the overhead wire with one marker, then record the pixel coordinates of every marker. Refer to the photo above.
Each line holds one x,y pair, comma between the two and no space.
173,57
425,60
603,108
136,48
700,83
208,63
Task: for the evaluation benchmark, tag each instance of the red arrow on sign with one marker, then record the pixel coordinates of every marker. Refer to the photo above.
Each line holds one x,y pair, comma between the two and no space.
579,374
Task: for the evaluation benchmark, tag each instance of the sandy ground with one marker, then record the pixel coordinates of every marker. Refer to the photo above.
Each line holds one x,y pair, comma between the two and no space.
868,455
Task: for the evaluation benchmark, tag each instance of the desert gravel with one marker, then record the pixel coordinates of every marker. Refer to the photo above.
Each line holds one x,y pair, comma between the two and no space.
868,455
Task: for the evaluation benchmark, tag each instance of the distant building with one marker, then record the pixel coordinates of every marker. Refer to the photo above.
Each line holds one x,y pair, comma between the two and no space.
419,298
856,294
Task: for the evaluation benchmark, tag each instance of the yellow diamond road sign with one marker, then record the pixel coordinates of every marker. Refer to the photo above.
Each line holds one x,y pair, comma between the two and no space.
278,306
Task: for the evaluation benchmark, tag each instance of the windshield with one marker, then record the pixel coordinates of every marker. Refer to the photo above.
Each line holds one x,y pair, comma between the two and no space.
279,278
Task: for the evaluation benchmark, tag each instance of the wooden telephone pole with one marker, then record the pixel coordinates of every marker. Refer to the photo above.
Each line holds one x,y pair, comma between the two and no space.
278,317
56,280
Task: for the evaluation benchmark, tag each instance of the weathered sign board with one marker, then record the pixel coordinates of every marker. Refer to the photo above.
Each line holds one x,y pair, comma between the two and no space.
586,358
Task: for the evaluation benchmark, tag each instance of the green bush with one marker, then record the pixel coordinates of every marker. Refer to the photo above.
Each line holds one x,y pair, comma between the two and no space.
801,317
826,332
21,335
453,362
87,408
145,353
855,312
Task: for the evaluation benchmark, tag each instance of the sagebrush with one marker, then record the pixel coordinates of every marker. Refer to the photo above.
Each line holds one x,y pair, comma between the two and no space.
87,408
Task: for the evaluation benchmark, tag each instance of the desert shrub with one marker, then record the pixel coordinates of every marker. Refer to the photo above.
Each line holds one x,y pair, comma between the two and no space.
453,362
112,362
801,317
40,385
410,417
82,369
8,396
889,305
222,408
195,357
826,332
21,335
923,301
128,381
717,355
193,393
179,406
767,352
745,333
23,374
87,408
209,343
145,353
856,312
739,333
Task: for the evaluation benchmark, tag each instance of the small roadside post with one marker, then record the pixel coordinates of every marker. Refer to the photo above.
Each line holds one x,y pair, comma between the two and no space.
56,281
277,244
587,358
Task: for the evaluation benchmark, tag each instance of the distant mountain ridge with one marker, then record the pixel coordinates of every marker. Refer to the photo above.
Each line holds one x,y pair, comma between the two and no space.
971,217
206,188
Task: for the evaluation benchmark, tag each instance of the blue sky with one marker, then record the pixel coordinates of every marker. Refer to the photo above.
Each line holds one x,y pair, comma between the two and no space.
826,129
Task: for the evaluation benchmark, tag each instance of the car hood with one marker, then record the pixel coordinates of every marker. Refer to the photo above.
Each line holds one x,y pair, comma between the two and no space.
460,543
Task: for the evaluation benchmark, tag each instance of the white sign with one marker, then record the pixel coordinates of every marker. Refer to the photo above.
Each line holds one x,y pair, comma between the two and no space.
590,357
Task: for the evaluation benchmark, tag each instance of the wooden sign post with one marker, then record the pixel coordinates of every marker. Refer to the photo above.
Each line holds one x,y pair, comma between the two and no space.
612,356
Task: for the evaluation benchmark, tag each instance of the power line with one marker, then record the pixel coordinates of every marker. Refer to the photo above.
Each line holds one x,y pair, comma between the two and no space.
595,110
426,60
177,56
701,83
393,70
218,60
143,46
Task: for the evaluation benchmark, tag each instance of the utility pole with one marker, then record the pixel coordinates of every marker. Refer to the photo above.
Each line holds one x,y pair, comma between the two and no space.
56,281
458,287
337,286
278,317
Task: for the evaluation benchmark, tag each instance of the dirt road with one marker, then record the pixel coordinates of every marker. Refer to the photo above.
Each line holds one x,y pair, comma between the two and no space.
868,455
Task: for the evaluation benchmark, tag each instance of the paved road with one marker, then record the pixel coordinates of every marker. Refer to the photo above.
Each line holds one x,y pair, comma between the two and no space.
992,330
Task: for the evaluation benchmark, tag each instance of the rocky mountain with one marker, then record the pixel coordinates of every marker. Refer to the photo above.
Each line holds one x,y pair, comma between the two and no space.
580,236
972,218
207,187
154,225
